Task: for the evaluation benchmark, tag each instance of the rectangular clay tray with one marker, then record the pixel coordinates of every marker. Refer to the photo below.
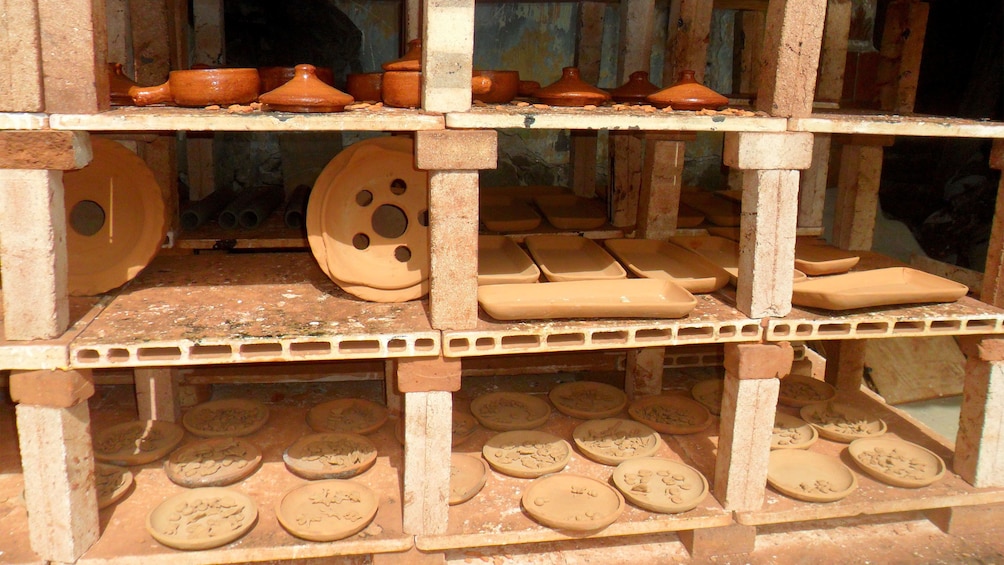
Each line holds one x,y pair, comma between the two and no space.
720,251
572,258
653,259
571,212
508,214
717,210
879,287
622,298
816,258
501,261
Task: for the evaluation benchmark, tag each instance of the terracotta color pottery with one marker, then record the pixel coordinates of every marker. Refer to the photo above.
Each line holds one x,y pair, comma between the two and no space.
501,261
365,86
660,485
347,415
615,440
571,90
330,456
817,258
571,212
688,94
505,411
688,217
572,502
468,476
305,92
327,510
635,90
202,518
201,87
654,259
403,89
842,422
274,77
226,418
723,212
410,61
792,433
879,287
809,476
572,258
112,483
137,442
115,219
722,252
527,454
671,414
897,462
119,85
588,400
709,393
617,298
213,462
507,214
505,85
800,390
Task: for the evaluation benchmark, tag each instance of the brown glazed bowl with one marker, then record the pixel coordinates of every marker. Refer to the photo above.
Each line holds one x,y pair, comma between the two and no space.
365,86
274,77
403,89
119,85
201,87
505,86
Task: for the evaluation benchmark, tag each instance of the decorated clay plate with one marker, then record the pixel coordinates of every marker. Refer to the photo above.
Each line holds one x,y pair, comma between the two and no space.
842,422
468,475
349,415
809,476
660,485
213,462
112,483
615,440
505,411
327,510
800,390
202,518
572,502
588,399
527,454
709,393
792,433
137,442
330,455
231,417
897,462
671,414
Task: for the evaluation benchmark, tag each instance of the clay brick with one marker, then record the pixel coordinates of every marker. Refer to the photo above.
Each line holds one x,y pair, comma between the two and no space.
21,81
644,371
53,150
661,182
447,55
428,374
56,389
968,520
747,418
768,150
428,425
792,43
759,361
997,154
725,540
467,150
75,72
453,244
991,350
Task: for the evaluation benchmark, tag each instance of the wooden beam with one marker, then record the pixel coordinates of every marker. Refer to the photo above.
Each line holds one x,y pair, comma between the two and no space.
428,432
453,249
790,58
588,54
151,40
687,39
636,32
118,30
74,66
627,155
447,55
20,57
157,393
992,291
751,27
900,50
207,16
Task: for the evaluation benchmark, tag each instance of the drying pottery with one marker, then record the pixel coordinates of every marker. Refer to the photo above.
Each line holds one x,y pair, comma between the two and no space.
330,456
614,440
348,415
688,94
722,252
572,258
817,259
403,89
571,90
274,77
463,427
671,414
635,90
617,298
527,454
661,260
688,217
709,393
327,510
720,211
410,61
809,476
305,92
201,87
137,442
800,390
505,411
112,483
501,261
505,86
119,85
571,212
792,433
507,214
879,287
588,400
842,422
365,86
897,462
202,518
660,485
468,476
213,462
225,418
572,502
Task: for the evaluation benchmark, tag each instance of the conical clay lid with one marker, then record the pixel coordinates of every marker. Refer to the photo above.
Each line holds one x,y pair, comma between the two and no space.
635,90
571,90
688,94
410,61
306,93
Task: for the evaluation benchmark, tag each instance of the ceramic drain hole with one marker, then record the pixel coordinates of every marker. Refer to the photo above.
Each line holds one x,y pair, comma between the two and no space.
87,217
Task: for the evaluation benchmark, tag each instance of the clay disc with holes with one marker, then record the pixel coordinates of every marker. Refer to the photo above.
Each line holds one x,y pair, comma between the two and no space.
347,415
229,417
137,442
213,462
330,456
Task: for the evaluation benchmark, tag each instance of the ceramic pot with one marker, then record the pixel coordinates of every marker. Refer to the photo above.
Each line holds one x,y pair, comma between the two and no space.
635,90
571,90
688,94
119,85
505,86
274,77
403,89
305,93
201,87
365,86
410,61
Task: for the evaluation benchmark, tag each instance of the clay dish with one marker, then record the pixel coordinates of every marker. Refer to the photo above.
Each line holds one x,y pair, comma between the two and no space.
137,442
572,258
403,89
571,90
213,462
792,433
507,214
504,87
112,483
660,485
305,92
654,259
327,510
879,287
818,258
723,212
202,87
202,518
410,61
526,454
616,298
365,86
588,400
801,390
119,85
349,415
635,90
468,475
897,462
226,418
615,440
809,476
671,414
709,393
842,422
501,261
571,212
688,94
330,456
505,411
572,502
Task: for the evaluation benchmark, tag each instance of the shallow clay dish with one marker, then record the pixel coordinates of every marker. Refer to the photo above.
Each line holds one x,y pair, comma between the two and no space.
305,92
327,510
527,454
615,440
202,518
671,414
350,415
809,476
716,209
572,258
468,475
616,298
792,433
801,390
571,90
588,400
688,94
571,212
507,214
817,258
723,252
201,87
897,462
137,442
879,287
709,393
501,261
330,455
654,259
572,502
230,417
842,422
112,483
213,462
505,411
660,485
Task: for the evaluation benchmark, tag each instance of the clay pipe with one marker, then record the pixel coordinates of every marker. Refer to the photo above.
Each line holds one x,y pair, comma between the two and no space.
296,208
265,201
200,211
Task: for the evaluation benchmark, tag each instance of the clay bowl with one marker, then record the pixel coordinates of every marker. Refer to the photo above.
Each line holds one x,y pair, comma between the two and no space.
505,86
274,77
201,87
119,85
365,86
403,89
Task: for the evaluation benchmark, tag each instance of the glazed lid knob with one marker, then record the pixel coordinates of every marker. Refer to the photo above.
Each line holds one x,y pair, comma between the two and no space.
638,76
687,75
304,72
570,72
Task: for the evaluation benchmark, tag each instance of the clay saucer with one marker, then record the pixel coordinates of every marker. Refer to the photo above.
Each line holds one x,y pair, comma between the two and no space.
660,485
572,502
655,259
230,417
688,94
792,433
800,390
571,90
506,411
588,400
202,518
112,483
709,393
527,454
468,475
330,455
327,510
635,90
671,414
615,440
809,476
137,442
507,214
213,462
305,93
897,462
878,287
350,415
842,422
817,258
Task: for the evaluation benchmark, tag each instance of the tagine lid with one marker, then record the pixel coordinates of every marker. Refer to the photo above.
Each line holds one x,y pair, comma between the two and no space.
636,89
571,90
410,61
306,93
688,94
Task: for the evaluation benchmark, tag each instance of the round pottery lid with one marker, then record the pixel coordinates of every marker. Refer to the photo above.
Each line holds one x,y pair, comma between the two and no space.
897,462
709,393
572,502
468,475
792,433
671,414
661,485
112,482
202,518
615,440
635,90
688,94
327,510
213,462
225,418
587,399
137,442
350,415
330,455
505,411
527,454
842,422
410,61
809,476
799,390
119,85
306,93
571,90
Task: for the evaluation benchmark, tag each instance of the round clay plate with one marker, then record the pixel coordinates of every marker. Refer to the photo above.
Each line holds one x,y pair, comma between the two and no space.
330,455
800,390
709,393
112,483
213,462
327,510
588,400
809,476
671,414
897,462
506,411
202,518
468,475
792,433
614,440
349,415
572,502
527,454
137,442
660,485
231,417
842,422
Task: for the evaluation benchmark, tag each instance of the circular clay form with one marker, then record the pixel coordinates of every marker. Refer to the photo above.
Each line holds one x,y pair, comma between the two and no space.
801,390
688,94
327,510
468,475
506,411
213,462
305,92
842,422
792,433
571,90
897,462
330,455
671,414
809,476
572,502
615,440
527,454
137,442
202,518
709,393
230,417
660,485
588,400
635,90
348,415
112,482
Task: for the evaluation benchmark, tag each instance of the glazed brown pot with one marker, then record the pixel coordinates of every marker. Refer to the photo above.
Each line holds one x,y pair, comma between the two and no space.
201,87
403,89
119,85
688,94
365,86
274,77
505,86
305,92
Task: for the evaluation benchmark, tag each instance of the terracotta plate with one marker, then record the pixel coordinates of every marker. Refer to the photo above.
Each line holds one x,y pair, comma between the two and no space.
571,212
615,440
527,454
505,411
722,252
816,258
809,476
351,415
327,510
897,462
468,475
202,518
799,390
572,502
330,455
501,261
654,259
842,422
792,433
213,462
671,414
661,485
137,442
588,400
112,483
230,417
879,287
572,258
709,393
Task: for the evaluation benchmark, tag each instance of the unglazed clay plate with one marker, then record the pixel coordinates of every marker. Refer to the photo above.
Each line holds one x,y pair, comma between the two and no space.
112,483
897,462
722,252
842,422
230,417
327,510
661,485
527,454
202,518
816,258
351,415
330,455
709,393
671,414
572,258
615,440
879,287
588,399
507,214
468,475
800,390
213,462
137,442
654,259
809,476
505,411
620,298
572,502
792,433
501,261
571,212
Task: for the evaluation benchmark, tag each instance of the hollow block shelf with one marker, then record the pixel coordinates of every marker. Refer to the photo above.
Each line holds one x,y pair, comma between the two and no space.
49,353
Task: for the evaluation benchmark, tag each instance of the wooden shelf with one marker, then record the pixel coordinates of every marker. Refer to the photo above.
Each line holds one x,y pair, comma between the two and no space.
850,122
511,116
